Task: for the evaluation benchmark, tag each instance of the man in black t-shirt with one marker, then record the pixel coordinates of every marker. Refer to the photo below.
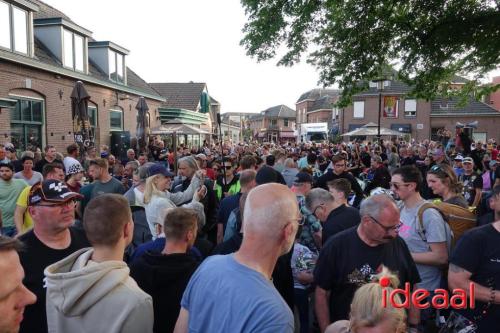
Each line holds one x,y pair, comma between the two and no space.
476,258
52,207
473,183
338,172
351,258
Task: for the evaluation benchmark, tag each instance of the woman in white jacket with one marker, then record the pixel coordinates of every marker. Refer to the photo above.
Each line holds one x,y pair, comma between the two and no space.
157,199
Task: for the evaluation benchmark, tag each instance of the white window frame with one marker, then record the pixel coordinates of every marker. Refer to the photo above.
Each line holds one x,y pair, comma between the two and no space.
72,63
358,110
12,31
114,129
410,108
115,55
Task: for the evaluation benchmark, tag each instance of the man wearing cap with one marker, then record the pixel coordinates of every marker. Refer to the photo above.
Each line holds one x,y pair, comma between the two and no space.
52,207
473,183
202,162
310,235
457,165
10,189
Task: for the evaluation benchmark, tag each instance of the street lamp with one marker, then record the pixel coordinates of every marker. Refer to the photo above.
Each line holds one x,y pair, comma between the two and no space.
380,87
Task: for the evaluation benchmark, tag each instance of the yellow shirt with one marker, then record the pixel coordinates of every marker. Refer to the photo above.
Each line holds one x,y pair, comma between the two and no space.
22,201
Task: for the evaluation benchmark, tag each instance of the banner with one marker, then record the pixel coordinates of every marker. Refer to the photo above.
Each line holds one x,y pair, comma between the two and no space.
391,106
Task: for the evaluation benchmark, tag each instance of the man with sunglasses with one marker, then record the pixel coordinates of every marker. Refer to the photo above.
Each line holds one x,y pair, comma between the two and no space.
52,208
339,171
428,245
352,257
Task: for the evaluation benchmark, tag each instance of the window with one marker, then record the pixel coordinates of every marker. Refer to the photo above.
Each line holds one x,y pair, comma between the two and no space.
274,122
13,28
20,30
115,120
410,107
359,109
73,50
26,124
116,67
285,122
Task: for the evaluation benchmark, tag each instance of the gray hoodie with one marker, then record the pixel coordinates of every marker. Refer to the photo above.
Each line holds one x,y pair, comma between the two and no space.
86,296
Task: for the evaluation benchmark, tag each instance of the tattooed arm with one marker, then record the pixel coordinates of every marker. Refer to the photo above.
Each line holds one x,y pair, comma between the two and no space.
460,278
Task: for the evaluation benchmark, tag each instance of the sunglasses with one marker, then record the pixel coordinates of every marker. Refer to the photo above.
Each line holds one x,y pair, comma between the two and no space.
386,228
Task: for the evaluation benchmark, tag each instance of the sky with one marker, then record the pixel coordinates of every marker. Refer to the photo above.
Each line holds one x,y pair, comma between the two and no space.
192,40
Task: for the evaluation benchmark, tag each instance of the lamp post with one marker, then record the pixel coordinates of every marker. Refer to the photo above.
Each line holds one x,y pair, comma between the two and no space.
380,87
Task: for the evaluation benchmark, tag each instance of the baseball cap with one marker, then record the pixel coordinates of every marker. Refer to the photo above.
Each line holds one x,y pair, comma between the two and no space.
468,160
201,157
104,154
493,163
51,190
158,169
459,158
303,177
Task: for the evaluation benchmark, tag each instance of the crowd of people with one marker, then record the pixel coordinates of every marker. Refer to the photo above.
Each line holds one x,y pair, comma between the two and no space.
249,237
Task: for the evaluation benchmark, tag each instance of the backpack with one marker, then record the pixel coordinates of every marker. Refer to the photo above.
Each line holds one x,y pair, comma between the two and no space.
458,218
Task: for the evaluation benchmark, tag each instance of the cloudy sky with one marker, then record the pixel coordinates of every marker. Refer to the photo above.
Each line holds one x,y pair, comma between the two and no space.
192,40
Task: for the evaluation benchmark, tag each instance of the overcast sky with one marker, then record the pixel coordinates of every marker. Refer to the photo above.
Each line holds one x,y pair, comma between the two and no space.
192,40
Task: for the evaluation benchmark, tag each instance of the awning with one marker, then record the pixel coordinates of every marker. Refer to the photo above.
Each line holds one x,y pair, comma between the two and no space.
178,128
7,103
402,128
287,135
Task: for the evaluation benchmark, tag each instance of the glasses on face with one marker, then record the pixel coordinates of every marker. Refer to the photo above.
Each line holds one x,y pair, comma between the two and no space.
315,209
398,185
386,228
69,203
299,220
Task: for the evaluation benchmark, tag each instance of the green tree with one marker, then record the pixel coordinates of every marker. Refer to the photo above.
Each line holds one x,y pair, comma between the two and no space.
352,41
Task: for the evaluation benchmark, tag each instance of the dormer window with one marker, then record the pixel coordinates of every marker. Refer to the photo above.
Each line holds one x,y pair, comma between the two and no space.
116,66
73,53
66,40
110,58
15,27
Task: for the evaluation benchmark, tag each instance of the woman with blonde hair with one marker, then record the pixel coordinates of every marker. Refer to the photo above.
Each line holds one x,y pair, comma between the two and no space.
157,198
367,311
443,181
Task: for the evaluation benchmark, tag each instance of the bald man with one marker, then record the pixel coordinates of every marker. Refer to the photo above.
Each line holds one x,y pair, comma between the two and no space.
234,293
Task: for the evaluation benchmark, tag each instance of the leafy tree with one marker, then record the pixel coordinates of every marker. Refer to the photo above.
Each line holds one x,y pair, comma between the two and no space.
350,41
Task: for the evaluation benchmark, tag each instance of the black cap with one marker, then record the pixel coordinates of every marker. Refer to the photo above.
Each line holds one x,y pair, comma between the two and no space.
51,190
303,177
159,169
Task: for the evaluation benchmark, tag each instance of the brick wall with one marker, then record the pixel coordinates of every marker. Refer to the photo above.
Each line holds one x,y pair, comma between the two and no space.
58,123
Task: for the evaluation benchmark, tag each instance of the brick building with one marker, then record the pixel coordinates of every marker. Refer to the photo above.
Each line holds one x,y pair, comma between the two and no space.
417,118
41,60
276,124
318,106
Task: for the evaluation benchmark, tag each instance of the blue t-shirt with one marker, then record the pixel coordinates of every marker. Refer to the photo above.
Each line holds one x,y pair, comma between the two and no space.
225,296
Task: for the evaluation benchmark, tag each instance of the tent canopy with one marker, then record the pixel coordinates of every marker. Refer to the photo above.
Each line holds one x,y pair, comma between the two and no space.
177,128
371,129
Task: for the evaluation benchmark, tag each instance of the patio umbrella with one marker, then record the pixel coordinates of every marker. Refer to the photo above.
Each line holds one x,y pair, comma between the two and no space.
81,124
142,125
370,129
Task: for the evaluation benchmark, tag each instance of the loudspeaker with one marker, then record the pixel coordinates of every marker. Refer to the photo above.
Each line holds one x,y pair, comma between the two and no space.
119,144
